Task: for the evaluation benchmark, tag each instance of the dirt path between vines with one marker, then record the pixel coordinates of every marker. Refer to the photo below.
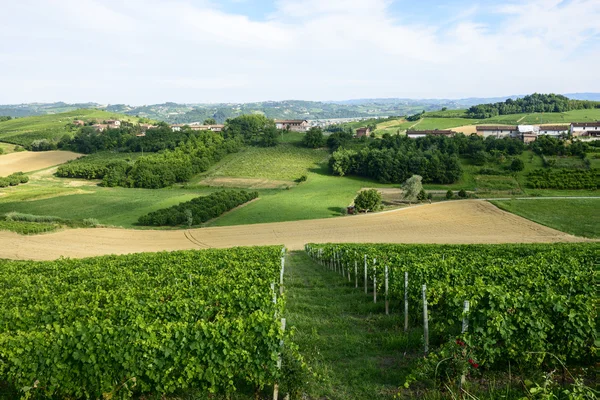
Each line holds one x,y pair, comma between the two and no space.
466,221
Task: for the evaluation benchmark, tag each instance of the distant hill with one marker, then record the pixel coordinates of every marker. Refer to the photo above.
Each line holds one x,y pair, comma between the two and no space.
287,109
52,127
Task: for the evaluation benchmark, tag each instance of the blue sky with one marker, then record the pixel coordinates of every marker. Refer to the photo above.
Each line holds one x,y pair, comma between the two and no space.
152,51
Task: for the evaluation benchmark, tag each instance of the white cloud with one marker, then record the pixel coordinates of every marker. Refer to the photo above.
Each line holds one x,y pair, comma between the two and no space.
141,52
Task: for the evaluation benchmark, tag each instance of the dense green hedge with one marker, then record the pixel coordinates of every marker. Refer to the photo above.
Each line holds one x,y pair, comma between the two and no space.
564,179
198,210
120,326
14,179
155,170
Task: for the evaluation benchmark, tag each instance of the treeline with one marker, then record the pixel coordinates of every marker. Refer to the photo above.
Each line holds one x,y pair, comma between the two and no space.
14,179
198,210
395,158
158,170
550,146
564,179
529,104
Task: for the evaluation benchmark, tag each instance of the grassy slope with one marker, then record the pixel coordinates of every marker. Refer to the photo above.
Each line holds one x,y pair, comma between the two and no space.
53,127
576,216
286,161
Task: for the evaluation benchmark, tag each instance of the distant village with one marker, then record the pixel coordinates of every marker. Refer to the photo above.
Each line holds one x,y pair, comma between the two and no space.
526,133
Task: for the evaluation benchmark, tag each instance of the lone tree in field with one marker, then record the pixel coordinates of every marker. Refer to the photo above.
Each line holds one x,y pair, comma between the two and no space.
314,138
412,187
368,200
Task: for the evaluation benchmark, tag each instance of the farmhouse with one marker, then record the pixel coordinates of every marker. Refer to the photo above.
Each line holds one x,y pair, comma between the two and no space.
296,125
100,127
413,134
145,127
113,123
78,122
553,130
497,131
360,132
580,128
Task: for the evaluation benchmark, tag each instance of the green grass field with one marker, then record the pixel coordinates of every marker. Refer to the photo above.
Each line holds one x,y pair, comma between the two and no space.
52,127
7,148
576,216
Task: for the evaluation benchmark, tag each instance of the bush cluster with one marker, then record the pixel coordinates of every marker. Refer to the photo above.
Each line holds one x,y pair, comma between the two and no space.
14,179
564,179
198,210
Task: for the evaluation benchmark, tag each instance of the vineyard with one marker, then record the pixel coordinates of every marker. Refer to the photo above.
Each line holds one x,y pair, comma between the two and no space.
505,303
116,326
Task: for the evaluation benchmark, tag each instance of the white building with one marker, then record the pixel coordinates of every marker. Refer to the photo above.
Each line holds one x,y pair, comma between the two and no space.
498,131
585,128
553,130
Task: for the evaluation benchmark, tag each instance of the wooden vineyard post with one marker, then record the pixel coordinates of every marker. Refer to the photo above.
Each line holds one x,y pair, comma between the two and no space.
355,274
387,301
374,281
465,321
405,301
276,386
366,292
348,266
281,275
465,327
425,320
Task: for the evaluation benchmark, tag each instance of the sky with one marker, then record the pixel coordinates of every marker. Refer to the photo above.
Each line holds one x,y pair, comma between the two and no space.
197,51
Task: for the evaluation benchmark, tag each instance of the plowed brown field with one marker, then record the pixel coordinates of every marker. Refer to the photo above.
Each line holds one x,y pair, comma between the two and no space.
32,161
466,221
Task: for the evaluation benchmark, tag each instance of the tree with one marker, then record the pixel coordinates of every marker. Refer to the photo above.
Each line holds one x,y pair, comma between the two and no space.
462,194
412,187
368,200
449,194
313,138
210,121
517,165
422,195
269,138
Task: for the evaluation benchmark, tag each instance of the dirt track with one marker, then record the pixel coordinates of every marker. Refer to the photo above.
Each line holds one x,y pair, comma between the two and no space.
32,161
467,221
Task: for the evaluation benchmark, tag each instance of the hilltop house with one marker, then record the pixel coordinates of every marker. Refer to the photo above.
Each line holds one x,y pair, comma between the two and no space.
360,132
296,125
585,128
100,127
78,122
497,131
113,123
413,134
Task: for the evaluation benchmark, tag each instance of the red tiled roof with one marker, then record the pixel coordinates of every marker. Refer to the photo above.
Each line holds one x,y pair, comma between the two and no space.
586,124
496,127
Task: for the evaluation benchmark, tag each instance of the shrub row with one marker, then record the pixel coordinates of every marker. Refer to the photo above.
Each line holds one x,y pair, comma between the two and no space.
198,210
14,179
564,179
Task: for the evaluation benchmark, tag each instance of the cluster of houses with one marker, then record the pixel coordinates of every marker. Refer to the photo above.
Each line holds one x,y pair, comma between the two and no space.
110,124
529,133
198,127
526,133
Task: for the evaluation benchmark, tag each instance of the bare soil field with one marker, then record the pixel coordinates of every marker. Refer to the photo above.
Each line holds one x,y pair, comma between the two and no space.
466,129
27,161
465,221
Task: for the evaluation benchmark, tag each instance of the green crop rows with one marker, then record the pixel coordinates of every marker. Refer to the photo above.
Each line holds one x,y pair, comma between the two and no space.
115,326
525,300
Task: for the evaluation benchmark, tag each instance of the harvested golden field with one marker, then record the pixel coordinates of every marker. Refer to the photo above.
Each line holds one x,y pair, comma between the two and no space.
466,129
27,161
466,221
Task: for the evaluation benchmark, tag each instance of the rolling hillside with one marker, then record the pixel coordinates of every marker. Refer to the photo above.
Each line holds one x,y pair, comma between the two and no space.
52,127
